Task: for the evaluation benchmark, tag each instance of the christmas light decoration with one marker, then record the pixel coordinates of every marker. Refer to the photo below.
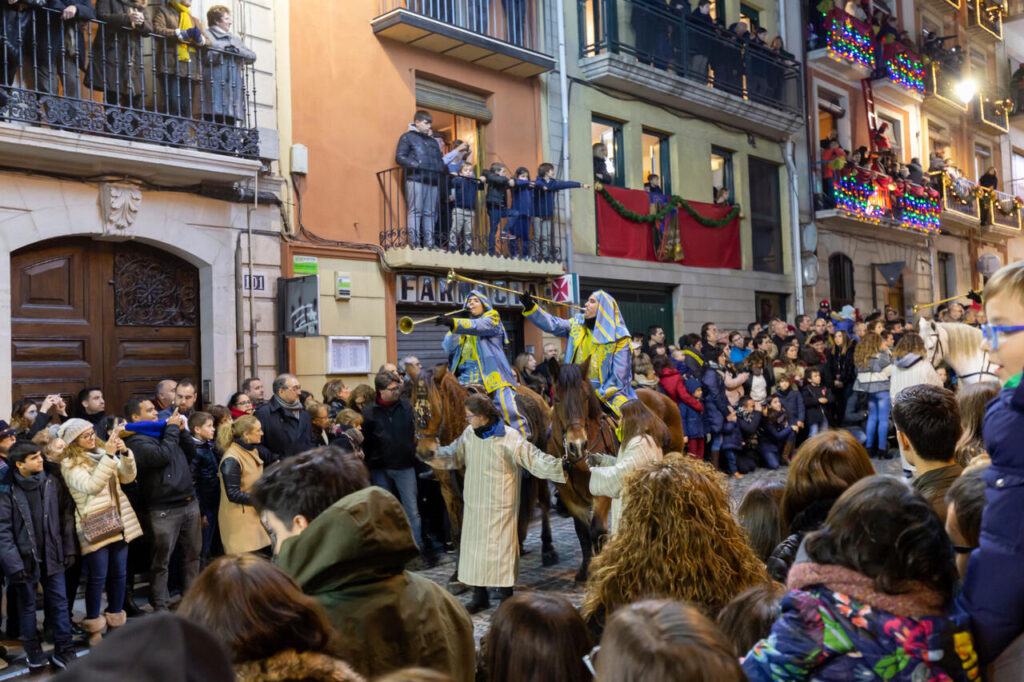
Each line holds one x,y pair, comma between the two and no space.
906,70
919,213
849,40
865,200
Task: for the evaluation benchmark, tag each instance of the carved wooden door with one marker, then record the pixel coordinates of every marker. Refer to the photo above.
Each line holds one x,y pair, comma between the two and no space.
121,316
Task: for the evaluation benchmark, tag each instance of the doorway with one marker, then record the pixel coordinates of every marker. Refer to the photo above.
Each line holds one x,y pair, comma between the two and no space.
119,315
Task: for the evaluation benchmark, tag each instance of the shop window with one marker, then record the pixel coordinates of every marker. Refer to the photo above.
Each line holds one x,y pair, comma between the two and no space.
840,276
656,158
609,133
721,174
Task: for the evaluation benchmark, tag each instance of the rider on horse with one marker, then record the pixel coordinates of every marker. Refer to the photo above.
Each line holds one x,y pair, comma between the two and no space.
476,347
599,335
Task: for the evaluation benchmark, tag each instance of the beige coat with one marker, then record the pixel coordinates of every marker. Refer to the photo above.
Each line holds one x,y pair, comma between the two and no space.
240,527
608,481
90,489
489,555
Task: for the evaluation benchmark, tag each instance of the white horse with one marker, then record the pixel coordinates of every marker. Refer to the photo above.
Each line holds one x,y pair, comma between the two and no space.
959,346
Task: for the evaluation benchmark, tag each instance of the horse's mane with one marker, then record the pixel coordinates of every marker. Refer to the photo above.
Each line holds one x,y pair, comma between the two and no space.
451,402
964,341
574,389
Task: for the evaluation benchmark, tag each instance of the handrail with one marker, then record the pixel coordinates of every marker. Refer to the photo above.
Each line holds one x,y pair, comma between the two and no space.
512,21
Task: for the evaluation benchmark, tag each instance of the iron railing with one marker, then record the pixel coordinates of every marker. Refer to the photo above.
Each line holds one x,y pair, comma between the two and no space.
994,108
442,212
988,15
873,196
848,39
676,42
1002,209
959,194
118,79
943,75
904,67
511,21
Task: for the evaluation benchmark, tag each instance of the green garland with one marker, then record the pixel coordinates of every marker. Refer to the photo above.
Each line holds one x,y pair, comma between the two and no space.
673,203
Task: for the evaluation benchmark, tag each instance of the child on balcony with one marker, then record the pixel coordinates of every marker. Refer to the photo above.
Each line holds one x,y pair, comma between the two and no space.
496,200
463,192
544,205
518,226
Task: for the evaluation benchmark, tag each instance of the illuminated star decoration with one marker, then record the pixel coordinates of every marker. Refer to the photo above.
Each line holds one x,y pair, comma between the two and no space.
846,42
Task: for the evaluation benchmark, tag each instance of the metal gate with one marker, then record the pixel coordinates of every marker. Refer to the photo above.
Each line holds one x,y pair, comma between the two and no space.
640,307
425,340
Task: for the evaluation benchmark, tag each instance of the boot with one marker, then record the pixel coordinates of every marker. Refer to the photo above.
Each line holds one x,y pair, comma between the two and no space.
504,593
131,609
714,459
94,627
787,450
480,601
114,620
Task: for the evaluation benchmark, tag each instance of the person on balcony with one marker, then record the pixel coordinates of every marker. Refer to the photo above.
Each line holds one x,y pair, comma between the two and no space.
176,56
729,67
115,64
832,159
602,173
60,46
854,9
543,246
649,19
701,44
419,155
224,87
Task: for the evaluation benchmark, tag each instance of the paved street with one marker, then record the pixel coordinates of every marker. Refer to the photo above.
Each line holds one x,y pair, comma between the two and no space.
559,578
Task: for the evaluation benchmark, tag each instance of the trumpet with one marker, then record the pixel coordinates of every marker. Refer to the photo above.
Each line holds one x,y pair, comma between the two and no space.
455,277
407,324
922,306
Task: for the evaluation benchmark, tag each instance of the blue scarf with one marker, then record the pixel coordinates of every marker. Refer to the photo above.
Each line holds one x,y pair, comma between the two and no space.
154,429
497,429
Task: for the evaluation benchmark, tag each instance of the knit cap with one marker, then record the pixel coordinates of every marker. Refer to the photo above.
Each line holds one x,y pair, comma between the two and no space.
73,428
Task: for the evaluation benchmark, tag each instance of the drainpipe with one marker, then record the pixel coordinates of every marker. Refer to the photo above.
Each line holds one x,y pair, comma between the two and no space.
563,86
931,268
794,227
252,319
239,315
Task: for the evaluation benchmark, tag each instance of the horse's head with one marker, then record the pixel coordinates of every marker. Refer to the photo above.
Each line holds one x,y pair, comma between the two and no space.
427,410
931,334
572,407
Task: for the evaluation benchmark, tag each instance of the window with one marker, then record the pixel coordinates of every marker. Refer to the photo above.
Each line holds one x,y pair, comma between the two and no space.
1016,185
894,133
947,275
718,11
609,133
982,160
769,305
751,16
656,160
721,172
765,215
598,27
840,277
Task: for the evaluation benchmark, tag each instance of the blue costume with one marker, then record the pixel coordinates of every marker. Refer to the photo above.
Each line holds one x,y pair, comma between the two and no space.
477,350
605,343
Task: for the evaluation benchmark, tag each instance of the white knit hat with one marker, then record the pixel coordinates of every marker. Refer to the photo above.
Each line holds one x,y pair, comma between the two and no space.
72,429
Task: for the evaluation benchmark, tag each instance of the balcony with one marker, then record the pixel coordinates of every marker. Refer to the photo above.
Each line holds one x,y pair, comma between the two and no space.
904,73
689,65
944,5
846,50
961,200
1002,213
993,111
867,198
985,19
499,36
125,114
942,78
529,238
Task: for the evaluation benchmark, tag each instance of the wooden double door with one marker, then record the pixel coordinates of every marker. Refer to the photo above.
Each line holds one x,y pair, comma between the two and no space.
118,315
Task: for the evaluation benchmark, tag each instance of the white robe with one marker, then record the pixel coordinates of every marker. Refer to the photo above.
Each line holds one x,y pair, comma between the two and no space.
608,480
489,554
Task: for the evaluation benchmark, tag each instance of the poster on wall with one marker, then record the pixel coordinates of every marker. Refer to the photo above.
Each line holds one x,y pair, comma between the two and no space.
348,354
298,300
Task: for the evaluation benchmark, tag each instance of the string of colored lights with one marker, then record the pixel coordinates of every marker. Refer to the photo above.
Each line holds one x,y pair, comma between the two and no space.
846,42
868,201
906,71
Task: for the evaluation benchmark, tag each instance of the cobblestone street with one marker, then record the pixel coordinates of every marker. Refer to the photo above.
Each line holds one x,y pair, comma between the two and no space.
559,578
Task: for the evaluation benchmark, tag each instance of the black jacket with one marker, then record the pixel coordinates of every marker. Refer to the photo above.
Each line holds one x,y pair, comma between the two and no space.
420,156
284,434
165,478
839,367
809,519
497,189
816,412
203,464
20,549
601,173
389,439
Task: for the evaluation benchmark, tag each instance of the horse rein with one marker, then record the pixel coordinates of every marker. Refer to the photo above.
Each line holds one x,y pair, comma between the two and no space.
984,371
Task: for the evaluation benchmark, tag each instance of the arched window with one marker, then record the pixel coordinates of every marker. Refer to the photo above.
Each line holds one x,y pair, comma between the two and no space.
840,275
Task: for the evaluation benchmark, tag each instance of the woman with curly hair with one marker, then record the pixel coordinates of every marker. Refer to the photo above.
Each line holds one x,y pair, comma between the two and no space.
676,539
873,361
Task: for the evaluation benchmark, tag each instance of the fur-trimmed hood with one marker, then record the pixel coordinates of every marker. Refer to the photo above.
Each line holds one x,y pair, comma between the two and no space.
292,665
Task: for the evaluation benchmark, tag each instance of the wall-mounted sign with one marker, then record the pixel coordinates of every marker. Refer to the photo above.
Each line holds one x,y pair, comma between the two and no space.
430,290
298,300
256,283
348,354
342,286
305,265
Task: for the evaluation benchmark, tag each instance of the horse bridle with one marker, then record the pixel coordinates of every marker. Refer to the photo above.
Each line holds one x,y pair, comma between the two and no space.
981,372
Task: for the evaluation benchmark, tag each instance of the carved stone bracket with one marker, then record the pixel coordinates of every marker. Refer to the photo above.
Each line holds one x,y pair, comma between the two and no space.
119,205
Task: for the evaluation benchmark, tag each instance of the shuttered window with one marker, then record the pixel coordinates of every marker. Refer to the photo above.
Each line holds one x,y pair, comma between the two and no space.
432,95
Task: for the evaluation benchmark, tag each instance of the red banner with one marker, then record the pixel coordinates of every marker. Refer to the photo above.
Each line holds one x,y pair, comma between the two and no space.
703,247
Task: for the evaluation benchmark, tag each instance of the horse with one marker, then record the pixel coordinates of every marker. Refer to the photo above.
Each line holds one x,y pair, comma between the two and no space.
439,415
580,426
959,346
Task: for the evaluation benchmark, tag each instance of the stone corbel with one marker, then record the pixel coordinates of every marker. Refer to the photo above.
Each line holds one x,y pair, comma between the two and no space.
119,205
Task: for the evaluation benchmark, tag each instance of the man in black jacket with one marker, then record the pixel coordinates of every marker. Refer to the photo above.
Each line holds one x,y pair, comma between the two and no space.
287,427
390,443
420,155
170,511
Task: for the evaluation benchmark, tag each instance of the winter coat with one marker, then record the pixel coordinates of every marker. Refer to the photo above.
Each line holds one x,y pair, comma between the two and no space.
810,518
690,408
769,382
601,173
814,411
841,628
389,440
206,476
875,377
738,355
497,190
290,665
54,37
89,484
774,434
839,367
284,434
716,405
239,524
165,479
165,48
734,382
544,192
420,156
998,612
224,86
523,198
351,558
464,191
609,480
793,401
694,362
494,462
116,63
20,548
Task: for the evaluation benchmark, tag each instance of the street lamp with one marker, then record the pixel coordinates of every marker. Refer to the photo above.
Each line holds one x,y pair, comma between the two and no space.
966,90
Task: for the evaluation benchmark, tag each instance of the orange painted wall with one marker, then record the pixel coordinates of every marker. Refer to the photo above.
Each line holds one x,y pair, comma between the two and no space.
353,96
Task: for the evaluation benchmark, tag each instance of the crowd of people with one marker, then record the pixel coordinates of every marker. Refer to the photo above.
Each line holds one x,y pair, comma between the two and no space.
837,573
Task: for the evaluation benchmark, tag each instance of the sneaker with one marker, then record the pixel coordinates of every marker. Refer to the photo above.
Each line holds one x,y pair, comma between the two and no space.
737,475
63,660
37,661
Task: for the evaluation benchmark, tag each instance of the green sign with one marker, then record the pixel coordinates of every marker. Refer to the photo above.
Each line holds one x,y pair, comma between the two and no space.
305,265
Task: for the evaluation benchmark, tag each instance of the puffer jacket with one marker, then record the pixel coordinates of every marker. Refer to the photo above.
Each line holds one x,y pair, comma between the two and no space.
716,405
420,156
875,377
20,548
351,558
809,519
90,489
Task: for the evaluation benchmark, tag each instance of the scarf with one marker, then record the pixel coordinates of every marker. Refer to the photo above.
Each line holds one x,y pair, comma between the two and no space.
495,427
916,601
294,407
385,403
236,413
184,24
154,429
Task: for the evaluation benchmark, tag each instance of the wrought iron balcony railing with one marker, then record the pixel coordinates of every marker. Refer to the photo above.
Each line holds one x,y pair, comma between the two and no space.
118,79
959,195
676,42
1003,210
442,212
510,21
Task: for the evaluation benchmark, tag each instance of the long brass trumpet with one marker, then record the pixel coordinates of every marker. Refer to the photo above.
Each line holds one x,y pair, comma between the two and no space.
407,324
922,306
454,276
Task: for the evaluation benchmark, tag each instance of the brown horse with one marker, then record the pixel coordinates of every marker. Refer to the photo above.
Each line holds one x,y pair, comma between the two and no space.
439,411
579,427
